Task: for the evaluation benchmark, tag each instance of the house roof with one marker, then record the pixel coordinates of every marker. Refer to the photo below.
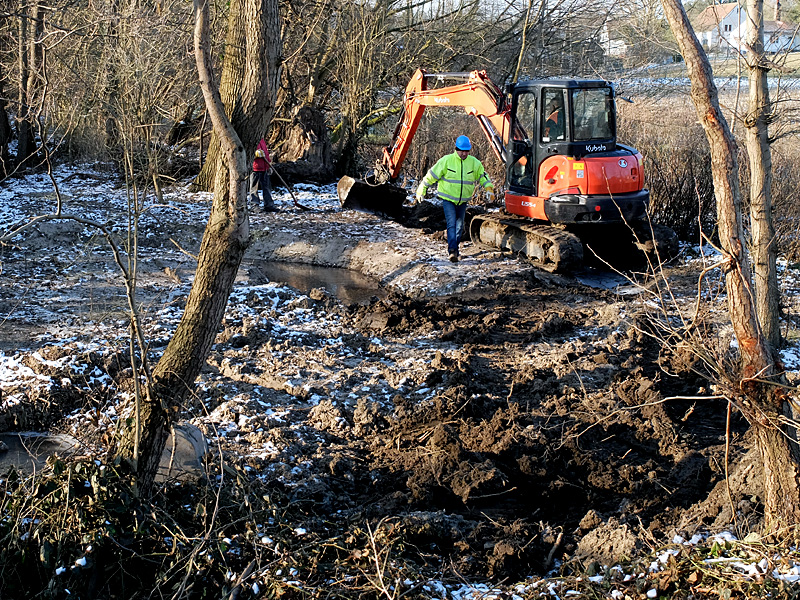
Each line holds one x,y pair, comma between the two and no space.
771,28
776,26
713,16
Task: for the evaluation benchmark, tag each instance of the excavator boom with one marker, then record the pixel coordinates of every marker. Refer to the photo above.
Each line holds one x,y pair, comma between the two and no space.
475,93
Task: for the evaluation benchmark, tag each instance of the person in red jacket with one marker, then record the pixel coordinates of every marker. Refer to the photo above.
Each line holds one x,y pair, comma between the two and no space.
262,167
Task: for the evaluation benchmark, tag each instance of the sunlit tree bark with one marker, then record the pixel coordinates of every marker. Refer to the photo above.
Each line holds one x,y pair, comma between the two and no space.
758,151
248,113
225,238
758,397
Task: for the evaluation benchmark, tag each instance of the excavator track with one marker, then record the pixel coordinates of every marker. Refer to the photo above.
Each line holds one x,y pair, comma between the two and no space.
547,247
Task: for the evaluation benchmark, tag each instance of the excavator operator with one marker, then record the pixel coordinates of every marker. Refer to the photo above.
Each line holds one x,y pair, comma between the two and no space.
455,176
554,126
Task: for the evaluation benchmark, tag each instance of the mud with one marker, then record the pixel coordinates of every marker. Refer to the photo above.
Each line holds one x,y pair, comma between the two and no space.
509,419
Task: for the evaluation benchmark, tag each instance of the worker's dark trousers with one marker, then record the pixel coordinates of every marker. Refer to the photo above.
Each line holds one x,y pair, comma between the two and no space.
454,215
260,179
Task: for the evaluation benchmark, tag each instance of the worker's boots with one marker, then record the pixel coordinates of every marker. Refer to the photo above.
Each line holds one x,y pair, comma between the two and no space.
454,257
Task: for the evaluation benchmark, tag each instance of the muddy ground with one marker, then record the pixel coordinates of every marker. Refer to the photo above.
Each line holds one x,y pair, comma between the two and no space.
505,418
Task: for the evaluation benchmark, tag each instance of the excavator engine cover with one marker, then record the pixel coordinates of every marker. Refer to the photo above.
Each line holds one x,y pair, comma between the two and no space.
367,195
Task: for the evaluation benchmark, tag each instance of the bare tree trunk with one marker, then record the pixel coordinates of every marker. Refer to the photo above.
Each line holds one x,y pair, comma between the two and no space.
306,155
760,156
112,131
523,41
321,63
763,403
233,61
240,55
35,74
25,139
226,235
5,132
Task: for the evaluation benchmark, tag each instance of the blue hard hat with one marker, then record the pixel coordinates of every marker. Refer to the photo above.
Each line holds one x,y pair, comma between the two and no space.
463,143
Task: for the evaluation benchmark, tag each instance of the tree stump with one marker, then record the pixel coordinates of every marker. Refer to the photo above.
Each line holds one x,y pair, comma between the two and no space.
306,155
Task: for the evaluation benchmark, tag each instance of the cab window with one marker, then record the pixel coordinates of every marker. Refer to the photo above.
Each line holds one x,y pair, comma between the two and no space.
554,116
520,174
593,114
526,112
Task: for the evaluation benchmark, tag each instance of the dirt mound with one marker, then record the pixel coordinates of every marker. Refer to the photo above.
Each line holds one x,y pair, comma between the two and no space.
520,426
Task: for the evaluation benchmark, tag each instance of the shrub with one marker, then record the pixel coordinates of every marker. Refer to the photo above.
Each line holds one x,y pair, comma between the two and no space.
677,162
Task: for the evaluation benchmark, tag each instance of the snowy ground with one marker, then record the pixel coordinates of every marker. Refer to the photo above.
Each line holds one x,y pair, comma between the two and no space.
297,377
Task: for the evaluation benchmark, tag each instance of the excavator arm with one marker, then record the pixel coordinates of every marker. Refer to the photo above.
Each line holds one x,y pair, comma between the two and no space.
478,96
474,92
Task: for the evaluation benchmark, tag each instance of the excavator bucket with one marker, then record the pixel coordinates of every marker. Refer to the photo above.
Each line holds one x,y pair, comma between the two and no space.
368,196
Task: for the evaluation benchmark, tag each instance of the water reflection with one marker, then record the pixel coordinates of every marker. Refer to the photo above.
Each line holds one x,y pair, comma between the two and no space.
346,285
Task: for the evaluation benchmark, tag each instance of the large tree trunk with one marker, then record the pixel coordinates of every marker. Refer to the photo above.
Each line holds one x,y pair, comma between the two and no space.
306,155
26,146
226,235
762,403
242,56
5,133
231,67
758,151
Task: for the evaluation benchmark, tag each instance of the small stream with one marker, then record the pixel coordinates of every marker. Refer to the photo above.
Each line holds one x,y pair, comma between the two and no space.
348,286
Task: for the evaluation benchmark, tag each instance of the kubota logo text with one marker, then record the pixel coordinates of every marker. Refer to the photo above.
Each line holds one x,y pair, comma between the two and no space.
598,148
442,100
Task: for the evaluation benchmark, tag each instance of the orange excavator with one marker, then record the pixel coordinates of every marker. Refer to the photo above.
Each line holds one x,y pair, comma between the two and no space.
567,179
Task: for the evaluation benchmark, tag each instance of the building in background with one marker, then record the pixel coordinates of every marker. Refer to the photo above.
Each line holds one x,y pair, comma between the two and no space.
722,28
715,26
778,37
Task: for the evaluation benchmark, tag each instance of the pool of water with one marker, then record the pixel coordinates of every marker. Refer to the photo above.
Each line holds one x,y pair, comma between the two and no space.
348,286
29,451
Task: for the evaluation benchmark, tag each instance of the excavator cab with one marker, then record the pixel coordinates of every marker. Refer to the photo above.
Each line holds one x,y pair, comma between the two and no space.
565,165
575,120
